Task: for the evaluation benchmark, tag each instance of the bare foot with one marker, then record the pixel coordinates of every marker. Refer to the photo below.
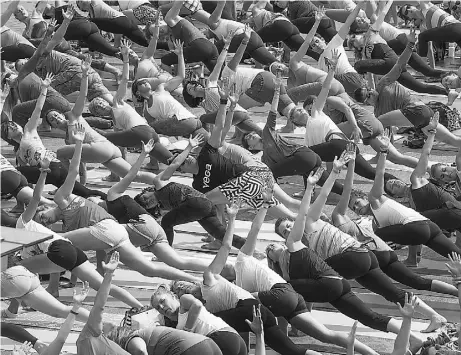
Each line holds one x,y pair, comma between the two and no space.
295,333
410,263
111,178
54,293
118,76
436,323
214,245
207,239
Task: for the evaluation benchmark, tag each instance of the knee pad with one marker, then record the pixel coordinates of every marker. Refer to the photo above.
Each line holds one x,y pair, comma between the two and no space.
100,108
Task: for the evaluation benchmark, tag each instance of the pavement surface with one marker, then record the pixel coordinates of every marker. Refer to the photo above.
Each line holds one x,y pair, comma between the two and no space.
188,243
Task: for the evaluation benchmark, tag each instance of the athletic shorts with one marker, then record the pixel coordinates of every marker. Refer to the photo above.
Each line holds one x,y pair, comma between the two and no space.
370,128
17,282
111,233
351,81
145,14
193,5
146,234
66,255
418,114
283,301
12,182
248,188
96,87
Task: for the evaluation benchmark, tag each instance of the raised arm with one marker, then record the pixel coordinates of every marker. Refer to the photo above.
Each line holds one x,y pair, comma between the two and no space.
230,116
315,211
173,84
214,76
95,317
192,306
150,50
454,267
59,35
8,12
382,12
29,213
344,30
63,192
250,243
215,139
420,171
220,259
237,58
319,103
297,231
396,70
213,20
298,57
120,187
338,103
172,16
402,341
258,329
35,118
341,207
351,339
179,160
79,105
378,185
121,91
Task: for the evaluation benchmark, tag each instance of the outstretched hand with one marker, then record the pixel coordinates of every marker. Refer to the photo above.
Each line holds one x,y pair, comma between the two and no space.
333,62
409,307
147,147
319,14
454,264
314,176
23,349
338,164
233,208
78,133
86,64
80,295
51,27
412,35
178,47
47,159
110,267
227,40
125,48
256,325
48,79
384,141
433,123
69,13
197,140
224,88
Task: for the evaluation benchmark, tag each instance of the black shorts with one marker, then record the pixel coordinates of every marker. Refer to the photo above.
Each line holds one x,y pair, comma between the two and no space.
66,255
419,115
12,182
283,301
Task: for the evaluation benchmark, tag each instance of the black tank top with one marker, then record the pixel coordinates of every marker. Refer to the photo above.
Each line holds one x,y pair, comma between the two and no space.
430,197
383,51
306,264
125,208
173,194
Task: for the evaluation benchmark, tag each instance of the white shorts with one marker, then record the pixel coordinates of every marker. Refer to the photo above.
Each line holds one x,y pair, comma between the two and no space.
111,233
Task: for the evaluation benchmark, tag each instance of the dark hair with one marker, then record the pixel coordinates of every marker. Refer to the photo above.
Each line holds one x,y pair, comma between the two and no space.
447,73
386,190
4,131
310,99
188,98
279,222
245,143
355,28
154,211
401,12
135,92
360,95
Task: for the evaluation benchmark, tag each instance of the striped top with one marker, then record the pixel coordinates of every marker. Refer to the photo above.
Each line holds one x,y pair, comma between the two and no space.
436,17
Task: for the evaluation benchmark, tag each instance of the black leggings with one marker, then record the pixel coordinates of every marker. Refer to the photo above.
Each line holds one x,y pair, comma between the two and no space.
399,44
364,268
241,119
83,30
229,342
389,263
17,333
420,232
203,211
199,50
133,138
383,66
255,48
273,335
448,33
282,31
17,51
334,148
228,12
66,255
122,25
337,292
6,220
57,177
12,182
445,218
326,27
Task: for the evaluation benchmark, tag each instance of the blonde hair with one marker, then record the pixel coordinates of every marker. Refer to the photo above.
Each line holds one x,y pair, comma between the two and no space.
182,287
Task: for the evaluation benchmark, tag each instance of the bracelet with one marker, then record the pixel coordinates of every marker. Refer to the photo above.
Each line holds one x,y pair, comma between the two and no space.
223,101
73,312
337,171
43,170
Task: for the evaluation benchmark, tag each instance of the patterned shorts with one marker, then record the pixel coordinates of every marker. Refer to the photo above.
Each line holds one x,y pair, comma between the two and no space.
145,14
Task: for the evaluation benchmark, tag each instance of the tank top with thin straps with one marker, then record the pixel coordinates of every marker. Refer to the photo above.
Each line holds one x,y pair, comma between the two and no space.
126,117
392,213
206,323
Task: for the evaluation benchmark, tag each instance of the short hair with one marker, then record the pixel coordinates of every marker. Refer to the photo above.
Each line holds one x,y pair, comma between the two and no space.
401,13
433,167
355,28
135,91
310,99
4,132
278,222
188,98
360,95
185,286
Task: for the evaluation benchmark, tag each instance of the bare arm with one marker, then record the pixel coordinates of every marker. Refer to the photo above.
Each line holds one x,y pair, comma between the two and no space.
344,30
215,139
228,122
213,20
250,243
383,10
378,185
298,57
237,58
403,337
319,103
8,12
150,50
59,34
79,105
121,91
35,119
172,17
173,84
341,207
193,306
214,76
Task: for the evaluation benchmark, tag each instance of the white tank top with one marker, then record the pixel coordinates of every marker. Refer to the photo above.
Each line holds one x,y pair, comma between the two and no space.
228,26
131,4
389,32
100,9
206,323
318,127
392,213
126,117
223,295
31,151
165,106
242,78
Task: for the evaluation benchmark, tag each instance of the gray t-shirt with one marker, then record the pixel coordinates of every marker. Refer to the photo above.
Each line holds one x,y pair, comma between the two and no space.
90,343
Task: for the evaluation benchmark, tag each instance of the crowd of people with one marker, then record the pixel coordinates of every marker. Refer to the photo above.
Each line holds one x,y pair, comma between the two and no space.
224,59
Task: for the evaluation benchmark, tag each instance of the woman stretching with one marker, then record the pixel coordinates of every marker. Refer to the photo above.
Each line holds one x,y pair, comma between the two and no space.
197,48
113,21
142,228
90,227
189,314
131,128
184,203
207,96
314,279
387,258
58,254
397,223
233,304
163,112
273,291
